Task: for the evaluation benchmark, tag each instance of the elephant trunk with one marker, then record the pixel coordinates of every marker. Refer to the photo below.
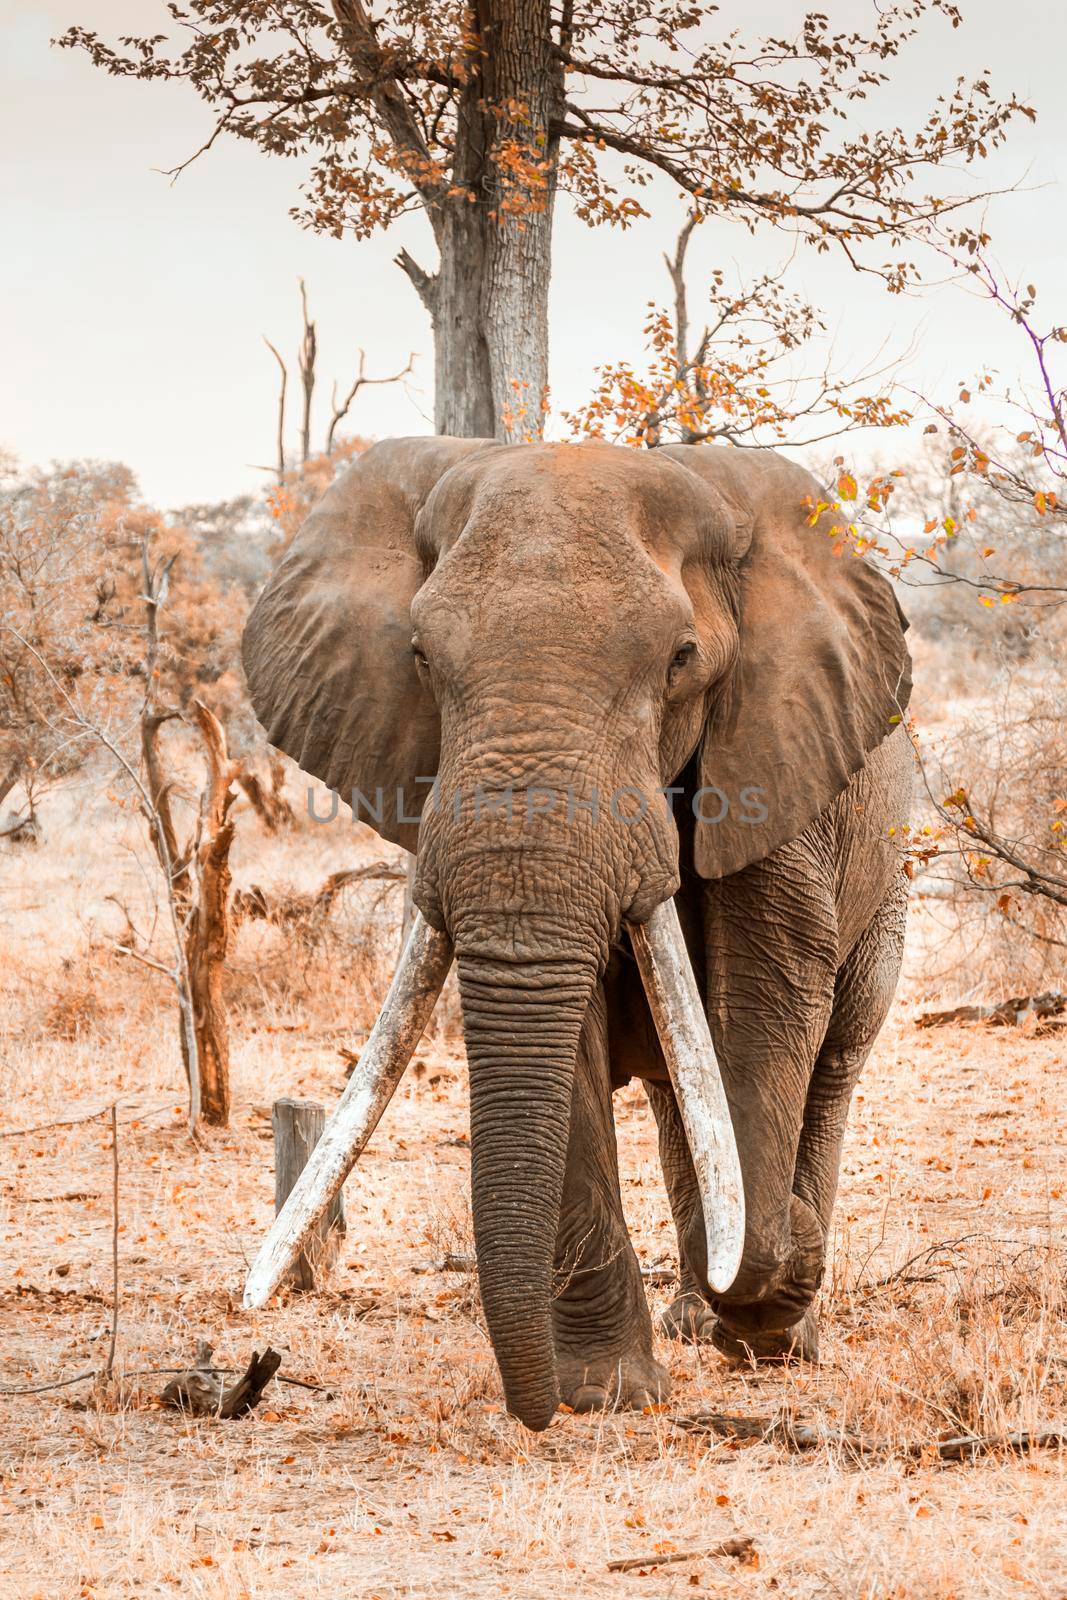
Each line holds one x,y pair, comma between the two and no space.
522,1022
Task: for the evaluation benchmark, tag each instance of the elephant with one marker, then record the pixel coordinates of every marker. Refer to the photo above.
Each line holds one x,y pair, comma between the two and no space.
688,697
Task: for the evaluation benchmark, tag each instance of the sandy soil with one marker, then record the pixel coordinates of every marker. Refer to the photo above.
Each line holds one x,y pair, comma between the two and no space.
402,1475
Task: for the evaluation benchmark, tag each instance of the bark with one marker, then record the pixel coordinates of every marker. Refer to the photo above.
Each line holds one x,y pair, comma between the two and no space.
520,69
173,861
463,384
207,933
489,298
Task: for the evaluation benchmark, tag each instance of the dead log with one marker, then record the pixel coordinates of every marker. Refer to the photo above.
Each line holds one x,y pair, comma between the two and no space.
801,1436
298,1127
203,1392
1007,1014
743,1549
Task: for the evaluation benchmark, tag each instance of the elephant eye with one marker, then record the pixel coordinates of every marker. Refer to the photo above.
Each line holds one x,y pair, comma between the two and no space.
683,655
420,655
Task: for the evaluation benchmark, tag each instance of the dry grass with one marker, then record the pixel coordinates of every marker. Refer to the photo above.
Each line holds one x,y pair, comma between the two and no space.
405,1477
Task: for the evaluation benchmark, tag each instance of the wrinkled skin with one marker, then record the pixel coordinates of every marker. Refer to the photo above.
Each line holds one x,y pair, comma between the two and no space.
590,622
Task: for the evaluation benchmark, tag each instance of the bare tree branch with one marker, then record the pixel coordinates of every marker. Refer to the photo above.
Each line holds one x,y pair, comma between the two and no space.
306,360
280,464
341,411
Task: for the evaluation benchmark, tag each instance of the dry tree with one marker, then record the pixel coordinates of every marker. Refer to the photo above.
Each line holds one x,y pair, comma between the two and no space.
477,119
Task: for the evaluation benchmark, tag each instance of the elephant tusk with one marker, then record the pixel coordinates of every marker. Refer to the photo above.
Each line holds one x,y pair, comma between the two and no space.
683,1031
408,1006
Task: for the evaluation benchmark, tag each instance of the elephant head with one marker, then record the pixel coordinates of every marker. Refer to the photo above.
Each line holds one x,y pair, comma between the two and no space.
553,632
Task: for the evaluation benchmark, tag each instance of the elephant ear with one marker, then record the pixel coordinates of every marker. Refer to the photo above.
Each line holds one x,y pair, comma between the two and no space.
823,674
327,649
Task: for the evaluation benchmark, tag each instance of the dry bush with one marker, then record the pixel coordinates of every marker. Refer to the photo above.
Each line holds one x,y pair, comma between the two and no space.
963,1339
305,963
75,1009
72,619
1007,754
990,738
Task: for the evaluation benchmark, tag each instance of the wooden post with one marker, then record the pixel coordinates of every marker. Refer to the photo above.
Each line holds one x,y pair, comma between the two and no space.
406,1010
298,1126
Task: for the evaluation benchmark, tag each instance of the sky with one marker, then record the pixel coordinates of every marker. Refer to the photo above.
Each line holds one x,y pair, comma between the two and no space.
133,309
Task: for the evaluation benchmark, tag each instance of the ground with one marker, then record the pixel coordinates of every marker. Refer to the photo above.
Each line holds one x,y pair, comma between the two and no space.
402,1475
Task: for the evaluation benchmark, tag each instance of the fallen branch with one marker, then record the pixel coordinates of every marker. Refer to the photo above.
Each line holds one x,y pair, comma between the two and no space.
802,1436
739,1549
45,1127
968,1445
1009,1013
56,1199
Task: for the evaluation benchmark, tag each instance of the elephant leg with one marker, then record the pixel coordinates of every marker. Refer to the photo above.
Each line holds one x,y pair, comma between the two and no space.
688,1317
601,1323
771,963
862,997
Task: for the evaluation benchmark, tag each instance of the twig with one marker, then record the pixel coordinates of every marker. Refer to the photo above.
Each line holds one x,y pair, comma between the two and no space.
740,1549
306,357
341,411
1006,1013
146,961
279,467
114,1241
60,1383
157,1372
43,1127
923,1255
77,1122
57,1199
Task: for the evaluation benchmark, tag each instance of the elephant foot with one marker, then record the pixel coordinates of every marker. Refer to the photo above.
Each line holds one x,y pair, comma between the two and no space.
612,1383
689,1319
765,1345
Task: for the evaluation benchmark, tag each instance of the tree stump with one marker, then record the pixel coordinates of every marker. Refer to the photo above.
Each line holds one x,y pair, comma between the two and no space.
298,1126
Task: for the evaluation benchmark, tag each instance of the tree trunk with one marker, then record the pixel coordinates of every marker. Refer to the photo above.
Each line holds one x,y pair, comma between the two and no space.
207,934
524,80
463,383
489,298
